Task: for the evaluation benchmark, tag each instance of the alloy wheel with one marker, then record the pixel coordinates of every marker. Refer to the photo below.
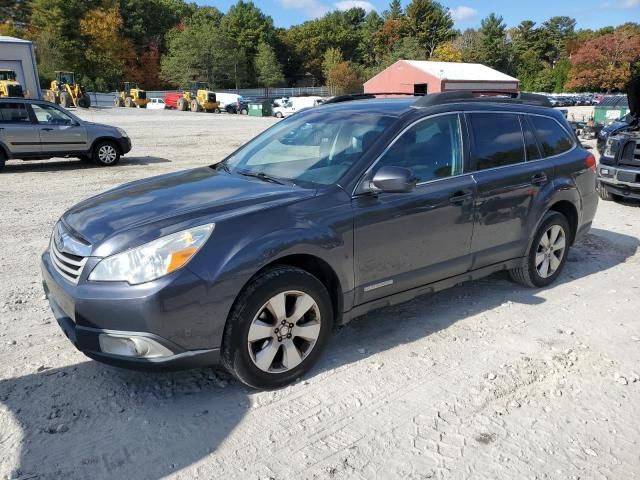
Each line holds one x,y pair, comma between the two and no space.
107,154
284,331
551,249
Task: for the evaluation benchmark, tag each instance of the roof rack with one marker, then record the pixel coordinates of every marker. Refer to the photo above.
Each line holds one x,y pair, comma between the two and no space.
492,96
366,96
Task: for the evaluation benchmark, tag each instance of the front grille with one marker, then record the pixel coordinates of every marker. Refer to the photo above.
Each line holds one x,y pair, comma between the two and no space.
15,91
66,264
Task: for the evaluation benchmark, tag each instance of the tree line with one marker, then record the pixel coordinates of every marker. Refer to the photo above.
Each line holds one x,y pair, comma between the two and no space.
168,43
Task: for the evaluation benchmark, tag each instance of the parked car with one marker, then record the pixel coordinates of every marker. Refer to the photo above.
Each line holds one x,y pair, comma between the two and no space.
289,105
37,130
619,169
334,212
156,103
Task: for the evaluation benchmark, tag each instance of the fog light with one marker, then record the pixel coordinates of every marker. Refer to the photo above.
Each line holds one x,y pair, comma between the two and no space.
132,346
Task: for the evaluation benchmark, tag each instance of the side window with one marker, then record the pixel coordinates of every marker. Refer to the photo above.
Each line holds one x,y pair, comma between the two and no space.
431,149
498,139
552,137
14,113
530,143
48,115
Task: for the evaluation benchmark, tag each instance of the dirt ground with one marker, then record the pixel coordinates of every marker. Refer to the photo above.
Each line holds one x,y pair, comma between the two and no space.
485,380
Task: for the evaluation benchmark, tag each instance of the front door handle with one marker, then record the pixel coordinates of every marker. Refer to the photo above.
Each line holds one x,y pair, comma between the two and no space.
47,129
539,178
460,196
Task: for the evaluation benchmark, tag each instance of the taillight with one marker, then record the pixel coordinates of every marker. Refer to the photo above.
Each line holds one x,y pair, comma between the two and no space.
590,162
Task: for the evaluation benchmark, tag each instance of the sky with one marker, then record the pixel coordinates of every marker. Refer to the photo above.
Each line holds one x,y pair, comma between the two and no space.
466,13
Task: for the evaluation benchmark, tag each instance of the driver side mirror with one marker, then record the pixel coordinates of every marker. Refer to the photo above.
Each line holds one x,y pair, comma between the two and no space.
393,180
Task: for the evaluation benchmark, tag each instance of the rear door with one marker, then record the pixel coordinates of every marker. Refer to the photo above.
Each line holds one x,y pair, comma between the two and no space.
510,173
59,132
17,130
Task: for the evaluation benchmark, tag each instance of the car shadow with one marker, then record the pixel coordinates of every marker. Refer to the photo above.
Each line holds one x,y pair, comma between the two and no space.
74,164
173,420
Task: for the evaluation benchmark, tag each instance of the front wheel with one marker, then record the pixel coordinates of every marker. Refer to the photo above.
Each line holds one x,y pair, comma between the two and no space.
106,154
277,328
605,194
547,253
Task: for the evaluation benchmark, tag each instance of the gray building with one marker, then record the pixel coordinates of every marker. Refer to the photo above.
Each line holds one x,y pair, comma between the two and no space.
18,55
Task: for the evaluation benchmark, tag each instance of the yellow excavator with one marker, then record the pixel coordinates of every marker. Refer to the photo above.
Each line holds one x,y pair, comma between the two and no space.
66,92
9,86
198,98
131,95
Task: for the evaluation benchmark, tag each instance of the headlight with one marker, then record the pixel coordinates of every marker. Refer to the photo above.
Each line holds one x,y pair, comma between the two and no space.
154,259
122,132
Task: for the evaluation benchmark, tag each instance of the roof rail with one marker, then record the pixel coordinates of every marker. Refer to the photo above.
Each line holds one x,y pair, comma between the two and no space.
492,96
366,96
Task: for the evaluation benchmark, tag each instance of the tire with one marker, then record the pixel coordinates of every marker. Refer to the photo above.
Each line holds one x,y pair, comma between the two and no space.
65,100
278,115
195,106
106,154
128,102
251,309
605,194
117,102
3,160
243,111
84,101
531,272
181,104
216,110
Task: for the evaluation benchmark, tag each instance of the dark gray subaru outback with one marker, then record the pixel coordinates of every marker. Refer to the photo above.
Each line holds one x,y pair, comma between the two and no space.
338,210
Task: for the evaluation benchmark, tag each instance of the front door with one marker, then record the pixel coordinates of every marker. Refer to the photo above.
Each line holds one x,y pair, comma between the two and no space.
404,240
17,131
59,133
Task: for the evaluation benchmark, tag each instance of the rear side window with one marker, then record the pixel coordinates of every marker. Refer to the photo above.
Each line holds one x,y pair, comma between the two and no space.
530,143
14,113
497,139
552,137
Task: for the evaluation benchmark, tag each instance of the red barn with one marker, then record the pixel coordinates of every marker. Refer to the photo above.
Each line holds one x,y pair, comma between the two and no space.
416,76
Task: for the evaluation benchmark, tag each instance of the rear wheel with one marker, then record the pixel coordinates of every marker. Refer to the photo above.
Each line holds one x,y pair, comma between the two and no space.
278,114
117,102
181,104
84,101
65,100
277,328
106,154
547,253
243,111
195,106
128,102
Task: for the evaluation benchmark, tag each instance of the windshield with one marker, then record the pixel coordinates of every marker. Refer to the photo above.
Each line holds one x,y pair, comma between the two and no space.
314,148
7,75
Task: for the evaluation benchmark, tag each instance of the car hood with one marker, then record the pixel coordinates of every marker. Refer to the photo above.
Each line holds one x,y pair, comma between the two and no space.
143,210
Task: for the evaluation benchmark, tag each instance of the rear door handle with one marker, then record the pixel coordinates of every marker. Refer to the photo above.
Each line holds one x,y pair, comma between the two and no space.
538,178
460,196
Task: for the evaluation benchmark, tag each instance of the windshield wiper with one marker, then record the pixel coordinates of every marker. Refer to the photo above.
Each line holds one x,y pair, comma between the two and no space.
261,176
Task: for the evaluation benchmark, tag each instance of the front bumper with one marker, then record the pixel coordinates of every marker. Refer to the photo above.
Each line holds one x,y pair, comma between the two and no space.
125,145
623,181
168,311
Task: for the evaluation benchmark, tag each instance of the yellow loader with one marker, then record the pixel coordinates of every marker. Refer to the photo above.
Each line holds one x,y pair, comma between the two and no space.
131,95
9,86
66,92
198,98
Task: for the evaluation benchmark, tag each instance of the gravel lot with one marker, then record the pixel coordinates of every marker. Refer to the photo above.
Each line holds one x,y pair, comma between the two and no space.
485,380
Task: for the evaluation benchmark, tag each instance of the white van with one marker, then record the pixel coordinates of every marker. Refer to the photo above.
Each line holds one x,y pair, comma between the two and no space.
228,101
156,103
283,107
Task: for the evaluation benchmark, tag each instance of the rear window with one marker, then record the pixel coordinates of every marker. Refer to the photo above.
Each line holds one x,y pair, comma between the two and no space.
497,140
553,139
14,113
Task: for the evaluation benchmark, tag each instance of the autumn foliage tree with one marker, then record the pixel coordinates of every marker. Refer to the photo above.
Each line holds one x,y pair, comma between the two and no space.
604,63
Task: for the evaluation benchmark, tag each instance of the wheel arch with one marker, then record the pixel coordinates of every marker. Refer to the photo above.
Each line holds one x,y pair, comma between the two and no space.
569,210
97,140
